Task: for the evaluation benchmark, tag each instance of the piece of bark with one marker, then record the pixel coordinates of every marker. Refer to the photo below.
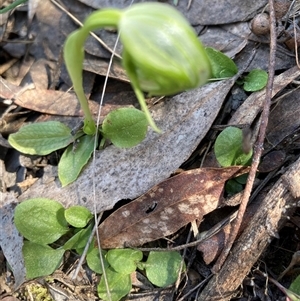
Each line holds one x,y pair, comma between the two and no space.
264,226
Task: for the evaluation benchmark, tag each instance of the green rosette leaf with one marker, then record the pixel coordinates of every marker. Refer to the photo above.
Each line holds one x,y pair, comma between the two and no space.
41,220
41,138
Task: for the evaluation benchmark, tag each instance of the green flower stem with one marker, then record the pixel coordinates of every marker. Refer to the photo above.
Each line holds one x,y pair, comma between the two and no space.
74,56
12,6
140,96
137,90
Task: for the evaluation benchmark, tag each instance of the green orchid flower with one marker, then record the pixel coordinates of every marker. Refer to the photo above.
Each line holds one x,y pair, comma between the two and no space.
162,54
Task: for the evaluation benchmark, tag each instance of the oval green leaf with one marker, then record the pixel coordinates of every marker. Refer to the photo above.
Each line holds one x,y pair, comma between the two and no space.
222,66
232,187
40,260
74,159
41,220
78,216
93,260
124,261
228,148
162,268
255,80
119,285
41,138
125,127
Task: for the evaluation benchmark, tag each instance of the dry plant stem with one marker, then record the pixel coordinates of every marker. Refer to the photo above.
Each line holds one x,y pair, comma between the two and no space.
258,147
295,40
203,236
198,286
289,13
86,248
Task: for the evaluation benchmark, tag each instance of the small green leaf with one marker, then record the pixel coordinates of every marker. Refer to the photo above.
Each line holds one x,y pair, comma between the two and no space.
41,138
228,148
255,80
232,187
41,220
79,240
119,285
74,159
242,179
222,66
93,260
125,127
40,260
124,261
162,268
78,216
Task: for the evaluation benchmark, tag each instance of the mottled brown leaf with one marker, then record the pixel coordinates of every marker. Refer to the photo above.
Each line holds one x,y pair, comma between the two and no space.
167,207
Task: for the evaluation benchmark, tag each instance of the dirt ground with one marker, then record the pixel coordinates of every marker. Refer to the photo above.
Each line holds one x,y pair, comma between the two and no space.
35,87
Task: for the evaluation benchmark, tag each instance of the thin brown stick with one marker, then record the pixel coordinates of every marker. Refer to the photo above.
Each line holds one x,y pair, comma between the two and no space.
296,43
258,147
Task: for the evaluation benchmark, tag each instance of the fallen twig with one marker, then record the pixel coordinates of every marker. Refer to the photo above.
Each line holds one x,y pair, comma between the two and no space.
258,146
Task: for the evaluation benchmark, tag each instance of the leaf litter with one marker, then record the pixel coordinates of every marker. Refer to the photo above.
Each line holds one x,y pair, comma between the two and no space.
128,173
113,158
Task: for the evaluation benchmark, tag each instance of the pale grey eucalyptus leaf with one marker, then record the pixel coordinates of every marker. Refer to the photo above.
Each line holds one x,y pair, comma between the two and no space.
127,173
11,241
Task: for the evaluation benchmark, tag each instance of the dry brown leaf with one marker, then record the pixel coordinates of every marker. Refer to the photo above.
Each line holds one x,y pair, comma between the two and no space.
50,101
167,207
212,247
44,101
284,119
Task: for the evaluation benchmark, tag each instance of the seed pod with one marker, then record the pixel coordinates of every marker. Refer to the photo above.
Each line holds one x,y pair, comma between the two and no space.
162,54
260,24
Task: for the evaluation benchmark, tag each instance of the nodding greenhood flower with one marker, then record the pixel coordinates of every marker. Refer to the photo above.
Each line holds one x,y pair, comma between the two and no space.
162,54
